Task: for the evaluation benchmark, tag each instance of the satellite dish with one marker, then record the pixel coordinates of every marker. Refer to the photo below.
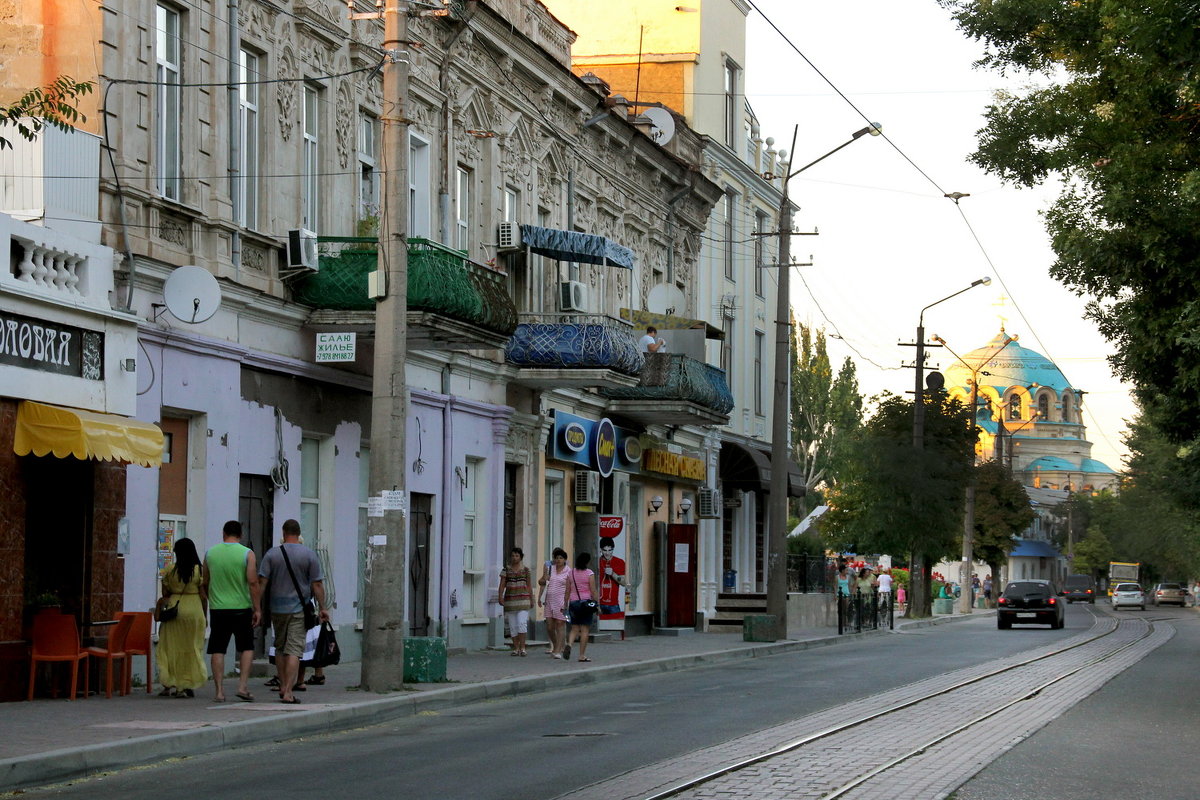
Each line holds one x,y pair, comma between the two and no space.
663,122
192,294
666,298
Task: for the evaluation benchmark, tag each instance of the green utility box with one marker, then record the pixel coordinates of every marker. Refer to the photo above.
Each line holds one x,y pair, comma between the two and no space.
943,605
424,659
760,628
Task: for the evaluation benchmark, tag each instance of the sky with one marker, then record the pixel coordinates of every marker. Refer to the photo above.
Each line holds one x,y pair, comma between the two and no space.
890,243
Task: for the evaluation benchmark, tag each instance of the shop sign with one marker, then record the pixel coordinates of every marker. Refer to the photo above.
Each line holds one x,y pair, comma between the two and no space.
631,450
612,575
674,464
574,437
336,346
605,446
595,444
50,347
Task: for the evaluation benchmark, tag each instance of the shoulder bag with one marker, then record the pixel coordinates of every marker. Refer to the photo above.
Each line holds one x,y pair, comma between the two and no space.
312,617
580,611
164,612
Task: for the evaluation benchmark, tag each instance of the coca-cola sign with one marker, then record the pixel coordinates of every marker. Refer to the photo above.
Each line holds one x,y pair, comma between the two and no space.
611,526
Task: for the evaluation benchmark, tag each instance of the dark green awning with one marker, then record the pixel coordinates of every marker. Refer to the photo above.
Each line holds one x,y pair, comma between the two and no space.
575,246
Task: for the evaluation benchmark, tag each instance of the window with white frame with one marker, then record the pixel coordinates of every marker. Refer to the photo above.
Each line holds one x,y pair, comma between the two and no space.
762,223
418,187
474,524
463,195
730,231
759,375
368,172
310,490
364,491
732,79
169,109
728,325
555,489
248,177
512,204
310,195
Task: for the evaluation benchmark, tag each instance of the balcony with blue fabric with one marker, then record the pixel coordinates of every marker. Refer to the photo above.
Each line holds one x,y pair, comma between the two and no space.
574,350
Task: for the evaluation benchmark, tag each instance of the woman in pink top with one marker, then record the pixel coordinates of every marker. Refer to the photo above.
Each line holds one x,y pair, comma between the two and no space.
581,585
554,580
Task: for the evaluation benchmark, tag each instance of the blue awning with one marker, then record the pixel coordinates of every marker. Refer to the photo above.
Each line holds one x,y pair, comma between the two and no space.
1033,548
586,248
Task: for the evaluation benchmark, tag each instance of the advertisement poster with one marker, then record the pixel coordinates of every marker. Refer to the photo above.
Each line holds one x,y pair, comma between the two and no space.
166,544
611,572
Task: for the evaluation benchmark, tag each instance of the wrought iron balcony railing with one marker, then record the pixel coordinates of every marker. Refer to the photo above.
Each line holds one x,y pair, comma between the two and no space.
574,341
671,376
440,281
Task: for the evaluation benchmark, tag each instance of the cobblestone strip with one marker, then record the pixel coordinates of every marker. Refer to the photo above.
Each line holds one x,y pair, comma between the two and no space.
828,762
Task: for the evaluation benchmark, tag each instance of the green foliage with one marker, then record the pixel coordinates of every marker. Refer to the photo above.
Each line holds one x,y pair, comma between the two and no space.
1114,114
1001,512
1093,553
56,104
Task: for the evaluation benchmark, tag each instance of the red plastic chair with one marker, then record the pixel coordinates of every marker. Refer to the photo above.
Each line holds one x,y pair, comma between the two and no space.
114,651
55,638
138,643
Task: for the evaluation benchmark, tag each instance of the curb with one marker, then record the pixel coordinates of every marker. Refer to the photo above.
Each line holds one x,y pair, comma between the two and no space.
90,760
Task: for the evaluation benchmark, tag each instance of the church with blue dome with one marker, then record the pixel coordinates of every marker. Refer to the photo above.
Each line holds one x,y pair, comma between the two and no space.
1030,415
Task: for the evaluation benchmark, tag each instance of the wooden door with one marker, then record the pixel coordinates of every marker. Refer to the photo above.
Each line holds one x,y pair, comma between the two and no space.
680,564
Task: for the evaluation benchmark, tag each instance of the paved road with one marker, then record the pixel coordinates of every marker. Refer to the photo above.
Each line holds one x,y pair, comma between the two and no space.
550,744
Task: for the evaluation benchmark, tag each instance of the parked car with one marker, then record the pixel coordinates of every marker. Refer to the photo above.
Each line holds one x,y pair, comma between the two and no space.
1168,594
1081,588
1128,594
1030,602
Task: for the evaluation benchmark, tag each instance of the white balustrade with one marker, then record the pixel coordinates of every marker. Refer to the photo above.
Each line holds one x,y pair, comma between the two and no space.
50,269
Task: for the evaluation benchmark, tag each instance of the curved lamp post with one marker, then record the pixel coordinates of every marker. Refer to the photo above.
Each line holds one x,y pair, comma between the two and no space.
777,510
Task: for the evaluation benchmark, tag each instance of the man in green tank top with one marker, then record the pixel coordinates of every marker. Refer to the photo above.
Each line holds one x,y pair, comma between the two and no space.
231,578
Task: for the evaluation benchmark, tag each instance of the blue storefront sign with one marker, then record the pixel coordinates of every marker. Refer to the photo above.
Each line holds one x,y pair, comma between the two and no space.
595,444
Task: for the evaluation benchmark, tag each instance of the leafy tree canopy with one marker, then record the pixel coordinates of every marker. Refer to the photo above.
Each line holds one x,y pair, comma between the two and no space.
1001,512
1115,115
56,104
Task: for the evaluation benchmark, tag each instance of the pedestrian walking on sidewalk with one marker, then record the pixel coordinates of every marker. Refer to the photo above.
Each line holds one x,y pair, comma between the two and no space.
552,599
581,587
293,574
987,592
231,583
515,596
180,649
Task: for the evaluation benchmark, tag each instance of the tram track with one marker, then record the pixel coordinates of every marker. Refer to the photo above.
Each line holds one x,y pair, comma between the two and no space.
1109,638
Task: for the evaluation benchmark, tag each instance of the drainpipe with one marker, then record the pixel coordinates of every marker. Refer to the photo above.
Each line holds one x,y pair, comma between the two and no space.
572,267
235,136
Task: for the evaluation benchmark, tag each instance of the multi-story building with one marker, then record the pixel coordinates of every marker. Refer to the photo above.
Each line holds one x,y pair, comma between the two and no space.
692,59
249,145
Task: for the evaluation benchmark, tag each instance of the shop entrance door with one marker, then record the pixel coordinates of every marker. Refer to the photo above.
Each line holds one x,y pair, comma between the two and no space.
256,512
680,564
420,522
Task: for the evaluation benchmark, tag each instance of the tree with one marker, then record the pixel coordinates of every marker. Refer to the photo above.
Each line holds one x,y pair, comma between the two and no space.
1093,553
1114,115
826,410
896,499
1001,512
56,104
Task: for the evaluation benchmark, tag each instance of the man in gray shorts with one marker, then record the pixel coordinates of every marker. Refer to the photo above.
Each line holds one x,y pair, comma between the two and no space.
287,607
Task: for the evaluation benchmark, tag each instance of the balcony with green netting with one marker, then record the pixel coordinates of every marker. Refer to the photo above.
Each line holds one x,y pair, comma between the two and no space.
674,389
453,303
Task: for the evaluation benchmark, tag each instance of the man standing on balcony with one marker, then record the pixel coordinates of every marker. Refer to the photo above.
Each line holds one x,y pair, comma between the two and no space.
650,343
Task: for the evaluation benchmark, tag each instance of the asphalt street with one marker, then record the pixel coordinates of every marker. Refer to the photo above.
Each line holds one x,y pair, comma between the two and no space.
545,745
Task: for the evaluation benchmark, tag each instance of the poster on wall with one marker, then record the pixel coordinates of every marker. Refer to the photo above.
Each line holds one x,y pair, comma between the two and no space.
167,532
611,572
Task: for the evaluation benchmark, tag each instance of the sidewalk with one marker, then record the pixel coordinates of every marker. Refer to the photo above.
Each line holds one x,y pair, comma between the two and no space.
48,740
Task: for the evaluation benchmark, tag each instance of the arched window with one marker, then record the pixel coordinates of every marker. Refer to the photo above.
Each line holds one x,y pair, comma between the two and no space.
1066,407
1043,407
1014,406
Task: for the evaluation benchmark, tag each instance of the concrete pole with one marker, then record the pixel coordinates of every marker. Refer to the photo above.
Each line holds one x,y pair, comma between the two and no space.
384,621
777,510
968,545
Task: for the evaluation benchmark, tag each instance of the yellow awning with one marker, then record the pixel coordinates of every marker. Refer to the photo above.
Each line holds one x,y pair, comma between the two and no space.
63,432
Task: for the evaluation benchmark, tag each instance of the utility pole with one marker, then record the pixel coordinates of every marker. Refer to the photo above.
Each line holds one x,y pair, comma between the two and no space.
384,621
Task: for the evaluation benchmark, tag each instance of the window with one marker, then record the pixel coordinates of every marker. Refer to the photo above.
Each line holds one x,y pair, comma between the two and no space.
248,178
364,491
368,180
1066,408
730,210
310,490
553,520
418,187
732,75
168,111
310,196
473,508
759,345
761,224
512,204
462,209
1044,407
1014,406
727,350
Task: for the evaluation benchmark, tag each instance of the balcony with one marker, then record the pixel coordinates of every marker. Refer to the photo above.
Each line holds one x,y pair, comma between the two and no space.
574,350
453,302
674,389
52,266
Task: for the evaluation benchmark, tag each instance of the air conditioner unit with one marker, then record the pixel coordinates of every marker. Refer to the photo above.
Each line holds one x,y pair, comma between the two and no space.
509,236
708,503
572,296
302,250
587,487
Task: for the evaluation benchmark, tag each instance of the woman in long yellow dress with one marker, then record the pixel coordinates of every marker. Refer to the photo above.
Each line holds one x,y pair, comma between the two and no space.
181,667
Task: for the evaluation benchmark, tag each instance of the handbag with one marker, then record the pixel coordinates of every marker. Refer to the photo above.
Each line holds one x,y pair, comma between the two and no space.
580,611
164,612
327,652
312,617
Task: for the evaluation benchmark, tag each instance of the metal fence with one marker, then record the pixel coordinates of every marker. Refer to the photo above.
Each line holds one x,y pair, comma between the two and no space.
811,574
866,611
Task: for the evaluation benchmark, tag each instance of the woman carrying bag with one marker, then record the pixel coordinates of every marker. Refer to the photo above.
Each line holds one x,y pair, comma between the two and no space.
180,652
581,604
554,580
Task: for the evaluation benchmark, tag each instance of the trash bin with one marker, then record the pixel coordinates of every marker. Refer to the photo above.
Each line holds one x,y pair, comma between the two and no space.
729,582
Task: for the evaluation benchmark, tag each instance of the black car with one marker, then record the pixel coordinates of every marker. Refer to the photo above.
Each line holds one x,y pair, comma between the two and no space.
1081,588
1036,602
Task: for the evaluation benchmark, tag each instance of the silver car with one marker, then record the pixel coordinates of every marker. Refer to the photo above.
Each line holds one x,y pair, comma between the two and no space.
1168,593
1128,595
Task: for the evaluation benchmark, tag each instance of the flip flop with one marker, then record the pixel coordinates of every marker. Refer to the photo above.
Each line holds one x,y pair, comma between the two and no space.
273,683
299,687
583,660
316,680
245,697
295,701
219,699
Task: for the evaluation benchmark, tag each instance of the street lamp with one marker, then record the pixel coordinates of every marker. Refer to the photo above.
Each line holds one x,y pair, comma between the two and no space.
777,512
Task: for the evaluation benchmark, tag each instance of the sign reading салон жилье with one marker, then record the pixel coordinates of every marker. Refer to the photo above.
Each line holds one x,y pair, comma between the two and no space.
335,346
